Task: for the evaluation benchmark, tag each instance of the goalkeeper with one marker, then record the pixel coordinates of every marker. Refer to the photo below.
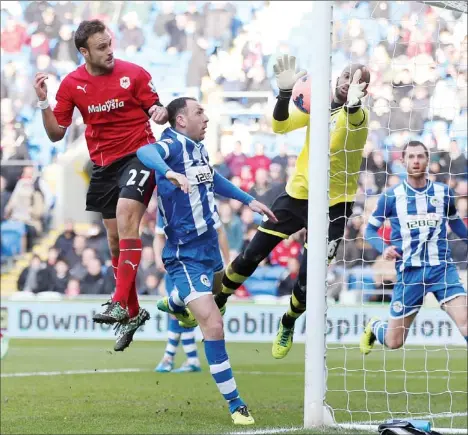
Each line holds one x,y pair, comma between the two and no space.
348,135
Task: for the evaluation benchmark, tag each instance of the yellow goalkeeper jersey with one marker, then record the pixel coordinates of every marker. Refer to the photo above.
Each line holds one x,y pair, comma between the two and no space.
348,135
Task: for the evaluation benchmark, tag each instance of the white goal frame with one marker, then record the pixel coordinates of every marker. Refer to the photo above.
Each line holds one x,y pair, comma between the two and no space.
316,412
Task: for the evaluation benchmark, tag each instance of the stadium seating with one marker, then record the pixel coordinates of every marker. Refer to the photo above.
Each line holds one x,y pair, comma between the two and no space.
12,234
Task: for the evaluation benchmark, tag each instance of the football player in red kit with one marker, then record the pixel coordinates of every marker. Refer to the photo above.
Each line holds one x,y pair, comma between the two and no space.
116,100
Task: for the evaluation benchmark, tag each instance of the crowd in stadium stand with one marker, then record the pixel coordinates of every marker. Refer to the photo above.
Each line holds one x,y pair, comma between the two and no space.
417,57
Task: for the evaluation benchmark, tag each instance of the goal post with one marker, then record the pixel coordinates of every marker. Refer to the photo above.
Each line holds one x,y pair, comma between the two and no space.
320,72
342,387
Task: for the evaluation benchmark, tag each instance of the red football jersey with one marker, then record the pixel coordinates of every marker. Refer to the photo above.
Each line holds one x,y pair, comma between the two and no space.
112,107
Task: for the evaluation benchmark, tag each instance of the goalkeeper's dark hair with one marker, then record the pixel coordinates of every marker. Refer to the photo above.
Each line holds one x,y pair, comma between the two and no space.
87,29
175,107
415,143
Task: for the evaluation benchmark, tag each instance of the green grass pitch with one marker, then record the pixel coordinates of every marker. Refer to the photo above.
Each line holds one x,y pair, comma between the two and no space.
144,402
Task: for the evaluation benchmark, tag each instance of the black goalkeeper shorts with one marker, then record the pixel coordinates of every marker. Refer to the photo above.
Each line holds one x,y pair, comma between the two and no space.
124,178
292,217
291,214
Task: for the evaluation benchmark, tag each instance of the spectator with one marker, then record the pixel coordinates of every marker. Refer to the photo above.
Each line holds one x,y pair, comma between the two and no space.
96,239
132,37
64,242
93,281
457,162
26,205
147,266
259,160
289,277
4,197
221,166
13,36
232,226
64,54
73,287
109,279
29,277
278,178
165,16
48,272
281,158
246,180
236,160
261,187
33,12
73,257
80,268
375,163
49,24
150,287
62,276
286,249
177,36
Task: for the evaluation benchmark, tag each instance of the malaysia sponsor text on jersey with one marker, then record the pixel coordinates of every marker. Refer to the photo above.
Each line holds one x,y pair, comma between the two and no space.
107,106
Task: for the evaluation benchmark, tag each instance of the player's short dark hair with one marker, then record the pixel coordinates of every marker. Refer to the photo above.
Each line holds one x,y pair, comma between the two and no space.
87,29
176,106
415,143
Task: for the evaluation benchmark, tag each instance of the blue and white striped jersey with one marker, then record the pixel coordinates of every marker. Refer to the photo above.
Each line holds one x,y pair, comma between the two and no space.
186,217
418,221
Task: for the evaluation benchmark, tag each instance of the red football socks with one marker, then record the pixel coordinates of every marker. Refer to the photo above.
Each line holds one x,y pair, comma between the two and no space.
129,259
115,266
133,305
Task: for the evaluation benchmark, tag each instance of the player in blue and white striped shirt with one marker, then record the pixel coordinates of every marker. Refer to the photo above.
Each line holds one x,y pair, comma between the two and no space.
186,187
175,332
419,211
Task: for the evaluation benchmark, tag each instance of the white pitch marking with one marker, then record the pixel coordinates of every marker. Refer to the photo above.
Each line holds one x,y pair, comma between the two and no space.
69,372
252,373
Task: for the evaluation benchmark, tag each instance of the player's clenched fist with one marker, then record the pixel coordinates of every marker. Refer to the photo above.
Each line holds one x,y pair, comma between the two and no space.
285,72
158,114
179,180
391,253
40,86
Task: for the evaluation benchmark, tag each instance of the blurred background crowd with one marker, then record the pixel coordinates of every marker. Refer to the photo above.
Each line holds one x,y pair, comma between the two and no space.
418,59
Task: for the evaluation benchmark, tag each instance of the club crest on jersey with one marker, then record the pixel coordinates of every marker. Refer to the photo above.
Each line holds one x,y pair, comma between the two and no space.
125,82
435,202
397,307
205,281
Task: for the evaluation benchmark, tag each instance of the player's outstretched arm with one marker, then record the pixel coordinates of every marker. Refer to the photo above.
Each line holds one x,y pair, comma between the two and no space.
225,188
54,131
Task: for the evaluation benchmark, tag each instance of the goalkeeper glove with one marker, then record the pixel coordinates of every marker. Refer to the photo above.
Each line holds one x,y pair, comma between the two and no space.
285,72
356,90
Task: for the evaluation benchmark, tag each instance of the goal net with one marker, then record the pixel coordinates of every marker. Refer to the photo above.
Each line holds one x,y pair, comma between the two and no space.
417,55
